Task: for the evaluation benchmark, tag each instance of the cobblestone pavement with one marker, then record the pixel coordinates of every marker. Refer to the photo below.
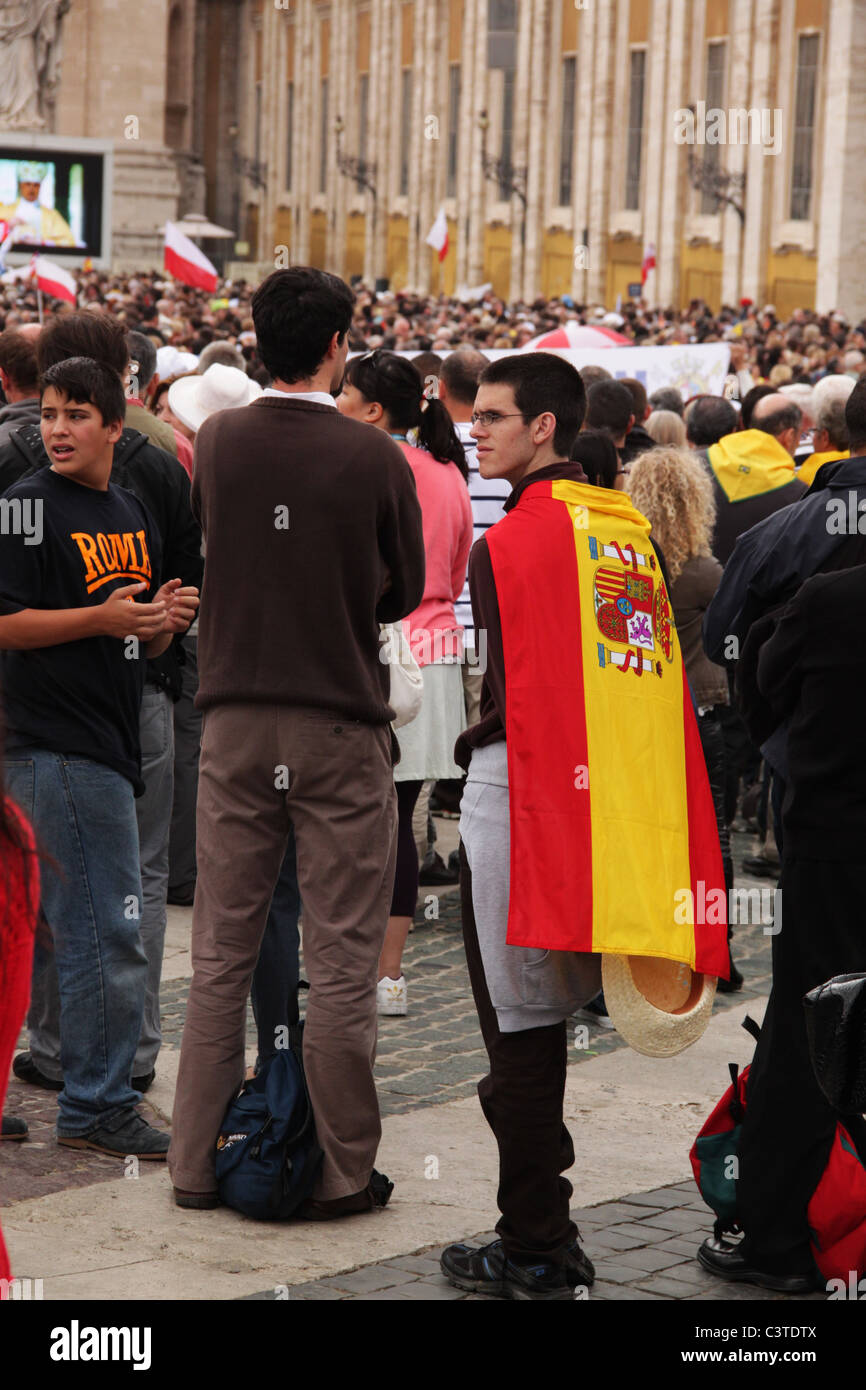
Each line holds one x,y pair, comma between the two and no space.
432,1056
643,1247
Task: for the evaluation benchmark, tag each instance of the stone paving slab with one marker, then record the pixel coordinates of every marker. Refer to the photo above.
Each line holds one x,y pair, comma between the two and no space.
433,1056
646,1272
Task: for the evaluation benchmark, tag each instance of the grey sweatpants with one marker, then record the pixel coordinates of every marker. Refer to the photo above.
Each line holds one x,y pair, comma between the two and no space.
528,988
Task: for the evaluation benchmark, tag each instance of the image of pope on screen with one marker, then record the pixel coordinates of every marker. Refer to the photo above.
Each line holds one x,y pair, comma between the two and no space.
29,203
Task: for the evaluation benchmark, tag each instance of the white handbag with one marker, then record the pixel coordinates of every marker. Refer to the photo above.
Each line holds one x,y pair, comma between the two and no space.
407,683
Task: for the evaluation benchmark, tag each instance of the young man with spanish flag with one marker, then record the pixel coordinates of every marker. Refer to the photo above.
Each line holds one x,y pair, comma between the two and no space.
586,810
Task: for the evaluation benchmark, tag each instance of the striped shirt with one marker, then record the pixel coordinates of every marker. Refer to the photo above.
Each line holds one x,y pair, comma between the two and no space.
488,496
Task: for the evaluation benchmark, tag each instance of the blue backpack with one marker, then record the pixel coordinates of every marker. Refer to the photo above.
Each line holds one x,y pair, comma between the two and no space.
267,1157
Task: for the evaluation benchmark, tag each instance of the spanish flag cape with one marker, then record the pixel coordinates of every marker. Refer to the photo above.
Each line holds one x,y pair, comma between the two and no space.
749,463
612,821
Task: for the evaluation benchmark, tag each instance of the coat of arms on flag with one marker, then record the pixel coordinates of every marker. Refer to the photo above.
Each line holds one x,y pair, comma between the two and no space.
632,609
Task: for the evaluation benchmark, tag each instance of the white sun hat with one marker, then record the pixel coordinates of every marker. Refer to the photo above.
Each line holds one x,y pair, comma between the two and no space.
659,1006
193,398
171,361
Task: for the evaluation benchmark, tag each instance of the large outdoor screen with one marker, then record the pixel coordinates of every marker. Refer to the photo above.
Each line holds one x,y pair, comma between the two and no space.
51,201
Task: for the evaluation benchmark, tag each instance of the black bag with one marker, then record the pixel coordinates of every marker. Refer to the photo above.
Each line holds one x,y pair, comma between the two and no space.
836,1029
267,1158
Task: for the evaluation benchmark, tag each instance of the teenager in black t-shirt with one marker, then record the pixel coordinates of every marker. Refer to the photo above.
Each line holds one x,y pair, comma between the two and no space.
79,554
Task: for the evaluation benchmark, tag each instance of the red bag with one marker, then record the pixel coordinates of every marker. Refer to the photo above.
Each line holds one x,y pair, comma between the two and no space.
836,1213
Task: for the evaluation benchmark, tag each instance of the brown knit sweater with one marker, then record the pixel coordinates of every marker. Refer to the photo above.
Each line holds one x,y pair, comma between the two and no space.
304,513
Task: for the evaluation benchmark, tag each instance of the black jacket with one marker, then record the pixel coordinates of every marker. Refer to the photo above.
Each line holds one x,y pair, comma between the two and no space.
812,672
157,480
772,560
769,564
637,442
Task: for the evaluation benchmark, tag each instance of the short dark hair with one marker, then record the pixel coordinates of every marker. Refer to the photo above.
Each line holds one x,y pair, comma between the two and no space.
855,418
750,400
638,394
595,450
427,364
709,419
143,354
18,360
84,334
668,398
609,406
592,373
461,372
296,313
87,382
775,422
542,382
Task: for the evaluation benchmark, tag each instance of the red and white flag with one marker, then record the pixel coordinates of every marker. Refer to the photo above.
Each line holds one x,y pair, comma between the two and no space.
437,237
649,262
186,262
52,279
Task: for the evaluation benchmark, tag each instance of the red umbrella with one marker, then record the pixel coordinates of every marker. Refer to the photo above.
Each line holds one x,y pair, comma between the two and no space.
577,335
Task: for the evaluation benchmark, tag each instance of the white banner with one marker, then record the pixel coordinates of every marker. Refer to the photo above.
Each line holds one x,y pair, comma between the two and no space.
695,369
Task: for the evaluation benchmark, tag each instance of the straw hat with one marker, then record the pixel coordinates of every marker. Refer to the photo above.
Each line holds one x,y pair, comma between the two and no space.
193,398
659,1006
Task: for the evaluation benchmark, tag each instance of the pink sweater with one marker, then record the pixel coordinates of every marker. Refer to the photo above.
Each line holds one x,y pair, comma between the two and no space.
446,515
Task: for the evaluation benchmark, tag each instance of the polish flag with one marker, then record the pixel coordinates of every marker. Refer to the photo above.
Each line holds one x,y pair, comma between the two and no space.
649,262
437,237
52,279
186,262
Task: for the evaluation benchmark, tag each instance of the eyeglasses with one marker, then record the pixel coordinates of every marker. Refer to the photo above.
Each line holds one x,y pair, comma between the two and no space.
492,417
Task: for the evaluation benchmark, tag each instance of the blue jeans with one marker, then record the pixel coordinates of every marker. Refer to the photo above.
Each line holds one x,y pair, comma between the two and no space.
84,816
274,988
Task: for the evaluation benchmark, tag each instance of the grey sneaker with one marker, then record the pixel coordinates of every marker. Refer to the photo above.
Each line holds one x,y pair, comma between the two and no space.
133,1136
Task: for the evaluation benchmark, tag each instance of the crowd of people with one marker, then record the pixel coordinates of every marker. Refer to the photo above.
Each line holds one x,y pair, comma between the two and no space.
245,759
765,345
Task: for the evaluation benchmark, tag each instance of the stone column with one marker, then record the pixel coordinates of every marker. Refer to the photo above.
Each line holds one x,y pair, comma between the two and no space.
583,145
674,180
734,156
478,183
842,227
600,154
465,138
420,71
429,77
375,102
761,167
538,139
521,141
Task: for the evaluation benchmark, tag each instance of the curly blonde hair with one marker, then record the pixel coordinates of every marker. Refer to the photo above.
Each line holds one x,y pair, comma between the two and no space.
674,491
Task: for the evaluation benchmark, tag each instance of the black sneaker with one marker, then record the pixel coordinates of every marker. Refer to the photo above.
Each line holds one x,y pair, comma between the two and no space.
579,1268
143,1083
13,1128
26,1069
133,1137
435,872
595,1012
487,1269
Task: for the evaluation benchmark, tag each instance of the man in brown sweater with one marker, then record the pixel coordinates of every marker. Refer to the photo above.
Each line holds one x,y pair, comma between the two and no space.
313,533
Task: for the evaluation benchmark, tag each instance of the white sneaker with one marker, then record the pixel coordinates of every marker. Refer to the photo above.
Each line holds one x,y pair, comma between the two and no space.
391,997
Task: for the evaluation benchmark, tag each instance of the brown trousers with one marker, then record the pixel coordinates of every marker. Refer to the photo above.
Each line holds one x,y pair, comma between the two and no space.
262,768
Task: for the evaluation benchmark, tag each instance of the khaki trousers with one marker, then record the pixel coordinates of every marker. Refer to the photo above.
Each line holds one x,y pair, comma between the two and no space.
262,768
